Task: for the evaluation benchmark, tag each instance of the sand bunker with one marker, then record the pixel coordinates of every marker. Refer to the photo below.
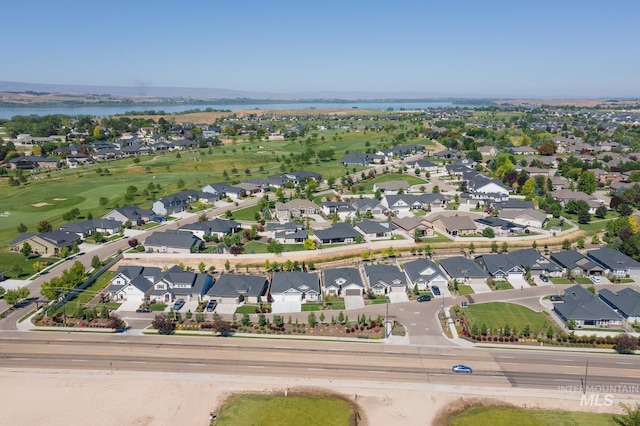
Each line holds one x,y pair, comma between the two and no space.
41,204
59,199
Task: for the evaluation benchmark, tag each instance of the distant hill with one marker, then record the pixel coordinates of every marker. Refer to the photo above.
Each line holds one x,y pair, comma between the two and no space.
205,93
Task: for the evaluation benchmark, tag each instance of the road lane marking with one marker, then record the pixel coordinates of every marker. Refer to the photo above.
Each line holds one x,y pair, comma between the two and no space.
316,369
138,362
65,340
375,372
79,360
563,359
506,357
564,380
629,383
20,359
254,366
447,354
282,347
336,350
196,364
229,345
624,363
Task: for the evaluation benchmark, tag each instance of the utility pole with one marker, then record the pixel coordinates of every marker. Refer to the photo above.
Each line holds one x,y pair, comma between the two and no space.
586,372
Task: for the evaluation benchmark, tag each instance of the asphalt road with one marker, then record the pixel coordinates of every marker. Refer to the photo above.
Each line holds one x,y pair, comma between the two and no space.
317,359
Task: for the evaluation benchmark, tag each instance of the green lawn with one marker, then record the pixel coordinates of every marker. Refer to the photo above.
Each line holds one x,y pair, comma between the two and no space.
499,314
8,260
582,280
501,416
626,280
503,285
380,301
311,307
259,247
248,213
465,289
280,410
409,178
335,303
560,280
246,309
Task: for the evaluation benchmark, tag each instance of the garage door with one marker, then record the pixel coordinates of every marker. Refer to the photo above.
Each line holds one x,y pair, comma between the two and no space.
353,292
398,289
514,276
289,297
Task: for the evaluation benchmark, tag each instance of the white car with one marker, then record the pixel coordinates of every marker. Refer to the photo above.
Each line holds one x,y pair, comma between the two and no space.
594,278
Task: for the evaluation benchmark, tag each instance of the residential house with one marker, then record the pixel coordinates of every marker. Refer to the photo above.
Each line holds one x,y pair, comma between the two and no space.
614,262
375,230
173,241
343,282
423,165
626,302
91,226
236,289
488,151
134,283
499,226
527,217
32,162
576,264
482,188
47,244
391,187
536,263
178,284
75,160
384,279
566,195
338,233
130,213
343,209
581,306
500,267
414,225
217,227
523,150
360,159
295,286
424,274
295,208
464,270
455,225
364,205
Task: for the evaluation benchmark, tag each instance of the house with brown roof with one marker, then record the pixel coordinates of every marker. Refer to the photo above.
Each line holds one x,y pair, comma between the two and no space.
295,208
456,225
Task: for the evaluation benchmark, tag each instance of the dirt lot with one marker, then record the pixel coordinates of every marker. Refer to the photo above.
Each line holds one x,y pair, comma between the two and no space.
65,397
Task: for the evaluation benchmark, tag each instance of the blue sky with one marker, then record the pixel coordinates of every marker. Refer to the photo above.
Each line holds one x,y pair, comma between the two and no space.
448,48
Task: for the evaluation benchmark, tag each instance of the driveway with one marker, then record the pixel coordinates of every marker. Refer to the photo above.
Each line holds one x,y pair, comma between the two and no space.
286,306
480,288
353,302
128,306
398,297
518,283
226,308
539,282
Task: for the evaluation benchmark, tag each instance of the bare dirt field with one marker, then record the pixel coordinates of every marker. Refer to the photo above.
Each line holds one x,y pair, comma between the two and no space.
65,397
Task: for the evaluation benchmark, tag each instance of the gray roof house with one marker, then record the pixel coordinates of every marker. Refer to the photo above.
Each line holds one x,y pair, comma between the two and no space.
131,213
234,288
173,241
339,233
625,301
385,278
46,244
586,309
343,282
500,267
219,227
424,273
179,284
364,205
376,230
616,263
576,263
133,283
462,269
91,226
295,286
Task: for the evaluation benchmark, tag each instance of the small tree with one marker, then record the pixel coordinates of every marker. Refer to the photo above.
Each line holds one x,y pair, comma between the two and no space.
26,249
631,416
312,319
566,245
222,327
625,343
571,324
95,262
115,322
133,242
163,324
341,317
22,228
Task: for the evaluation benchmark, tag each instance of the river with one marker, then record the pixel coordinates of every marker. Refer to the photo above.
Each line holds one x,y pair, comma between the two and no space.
104,111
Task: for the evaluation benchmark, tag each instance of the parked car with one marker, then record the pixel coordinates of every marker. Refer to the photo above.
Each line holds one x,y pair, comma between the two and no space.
556,298
436,290
594,278
461,369
178,304
211,306
544,278
424,298
143,310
